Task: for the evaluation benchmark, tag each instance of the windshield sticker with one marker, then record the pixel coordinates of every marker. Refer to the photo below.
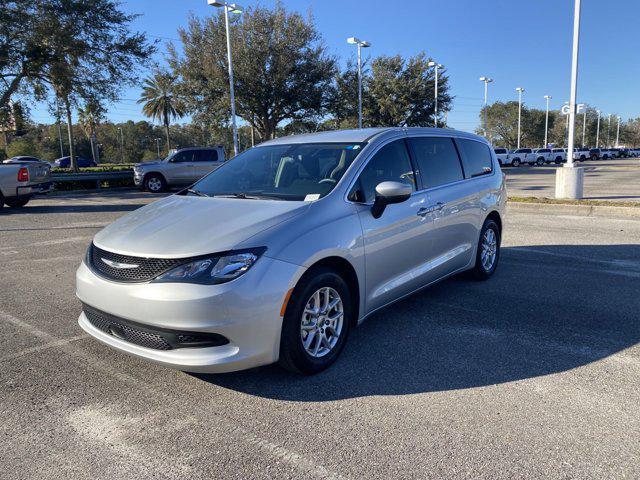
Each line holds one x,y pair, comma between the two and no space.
312,197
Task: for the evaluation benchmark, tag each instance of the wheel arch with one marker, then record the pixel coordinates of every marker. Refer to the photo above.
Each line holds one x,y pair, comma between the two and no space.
495,216
154,172
345,269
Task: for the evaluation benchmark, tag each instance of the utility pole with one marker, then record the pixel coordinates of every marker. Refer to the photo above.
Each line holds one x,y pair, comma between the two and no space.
546,121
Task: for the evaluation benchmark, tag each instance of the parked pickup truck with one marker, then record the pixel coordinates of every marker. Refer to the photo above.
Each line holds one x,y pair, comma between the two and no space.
20,181
559,155
543,155
522,155
181,168
503,156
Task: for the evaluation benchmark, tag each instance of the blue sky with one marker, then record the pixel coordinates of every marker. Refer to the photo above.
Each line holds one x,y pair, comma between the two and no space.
523,43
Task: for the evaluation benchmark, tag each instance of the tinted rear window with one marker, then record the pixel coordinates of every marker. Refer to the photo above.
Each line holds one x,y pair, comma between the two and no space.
500,150
437,160
476,157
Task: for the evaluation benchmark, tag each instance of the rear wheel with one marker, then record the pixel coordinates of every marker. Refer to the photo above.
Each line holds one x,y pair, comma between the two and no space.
155,183
488,251
17,202
316,323
540,161
515,162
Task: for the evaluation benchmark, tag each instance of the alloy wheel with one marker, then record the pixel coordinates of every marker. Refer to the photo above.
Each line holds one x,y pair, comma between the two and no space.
321,322
489,249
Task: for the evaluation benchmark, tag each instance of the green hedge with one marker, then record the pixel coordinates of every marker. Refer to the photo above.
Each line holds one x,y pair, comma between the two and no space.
105,167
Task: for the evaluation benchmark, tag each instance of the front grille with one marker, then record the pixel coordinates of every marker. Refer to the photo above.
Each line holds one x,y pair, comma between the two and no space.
150,337
133,269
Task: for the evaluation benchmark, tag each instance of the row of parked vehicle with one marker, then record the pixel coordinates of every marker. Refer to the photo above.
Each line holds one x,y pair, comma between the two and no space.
63,162
542,156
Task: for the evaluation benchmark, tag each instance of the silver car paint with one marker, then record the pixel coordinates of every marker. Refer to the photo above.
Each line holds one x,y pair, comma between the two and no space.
387,254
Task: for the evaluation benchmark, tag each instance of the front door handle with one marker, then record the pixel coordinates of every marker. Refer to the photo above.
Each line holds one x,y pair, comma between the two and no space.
424,211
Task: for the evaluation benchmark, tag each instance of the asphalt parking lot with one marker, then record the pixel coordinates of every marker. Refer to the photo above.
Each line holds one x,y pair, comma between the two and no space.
616,180
534,373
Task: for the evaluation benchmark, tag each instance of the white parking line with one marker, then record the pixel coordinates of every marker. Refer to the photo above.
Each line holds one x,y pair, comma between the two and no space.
306,466
39,348
48,243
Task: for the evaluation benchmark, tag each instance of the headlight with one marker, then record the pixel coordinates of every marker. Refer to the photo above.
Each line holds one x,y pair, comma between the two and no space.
213,270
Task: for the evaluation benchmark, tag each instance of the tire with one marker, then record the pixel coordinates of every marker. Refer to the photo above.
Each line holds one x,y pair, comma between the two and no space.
481,270
155,183
16,203
293,354
558,160
515,162
540,161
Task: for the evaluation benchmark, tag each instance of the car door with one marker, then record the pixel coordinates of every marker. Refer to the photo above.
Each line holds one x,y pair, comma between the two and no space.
452,203
181,169
206,161
396,244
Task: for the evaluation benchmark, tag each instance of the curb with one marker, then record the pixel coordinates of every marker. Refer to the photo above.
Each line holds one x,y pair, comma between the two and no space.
579,210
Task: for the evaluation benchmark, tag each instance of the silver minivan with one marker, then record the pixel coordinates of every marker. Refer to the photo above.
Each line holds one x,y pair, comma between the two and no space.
280,252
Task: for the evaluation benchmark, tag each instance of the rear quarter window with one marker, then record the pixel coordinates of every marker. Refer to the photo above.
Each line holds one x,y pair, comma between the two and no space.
476,157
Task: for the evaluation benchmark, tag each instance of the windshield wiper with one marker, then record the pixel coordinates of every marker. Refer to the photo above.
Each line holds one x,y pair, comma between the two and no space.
241,195
197,192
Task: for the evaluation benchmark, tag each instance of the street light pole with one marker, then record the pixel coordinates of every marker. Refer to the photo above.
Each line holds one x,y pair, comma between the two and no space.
435,109
519,90
487,81
618,133
360,44
570,179
584,127
546,121
598,131
233,8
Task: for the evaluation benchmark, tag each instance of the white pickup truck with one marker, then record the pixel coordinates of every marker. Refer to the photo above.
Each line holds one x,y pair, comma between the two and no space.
503,156
20,181
523,155
559,155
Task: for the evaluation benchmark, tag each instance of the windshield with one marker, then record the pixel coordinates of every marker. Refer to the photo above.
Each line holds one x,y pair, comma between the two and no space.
285,172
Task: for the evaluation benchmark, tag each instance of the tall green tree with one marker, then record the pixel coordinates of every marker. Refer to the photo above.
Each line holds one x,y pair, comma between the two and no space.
281,68
90,116
401,92
161,100
77,49
502,120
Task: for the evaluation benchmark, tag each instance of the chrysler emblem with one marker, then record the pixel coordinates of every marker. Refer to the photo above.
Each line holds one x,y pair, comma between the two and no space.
118,265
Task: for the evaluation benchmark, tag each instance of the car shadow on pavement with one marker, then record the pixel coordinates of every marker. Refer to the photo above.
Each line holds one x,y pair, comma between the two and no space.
548,309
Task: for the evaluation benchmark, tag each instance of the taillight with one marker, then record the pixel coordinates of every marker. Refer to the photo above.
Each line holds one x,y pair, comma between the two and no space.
23,174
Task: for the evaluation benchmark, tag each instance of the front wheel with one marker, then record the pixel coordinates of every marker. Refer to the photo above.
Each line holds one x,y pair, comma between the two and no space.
515,162
16,203
488,251
540,161
155,183
316,322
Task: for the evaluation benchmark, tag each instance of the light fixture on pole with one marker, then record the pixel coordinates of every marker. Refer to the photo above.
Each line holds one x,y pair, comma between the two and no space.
360,44
570,179
598,130
546,120
435,112
618,133
237,9
487,81
608,130
520,90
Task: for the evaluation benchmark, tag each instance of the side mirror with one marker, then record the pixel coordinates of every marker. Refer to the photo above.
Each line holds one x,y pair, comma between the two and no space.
388,193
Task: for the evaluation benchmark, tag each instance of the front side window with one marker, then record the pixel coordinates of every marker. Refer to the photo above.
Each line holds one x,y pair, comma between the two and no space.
500,151
285,172
183,157
390,163
476,157
437,160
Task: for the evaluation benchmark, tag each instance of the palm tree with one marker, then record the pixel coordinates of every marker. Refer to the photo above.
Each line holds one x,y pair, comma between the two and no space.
89,118
161,100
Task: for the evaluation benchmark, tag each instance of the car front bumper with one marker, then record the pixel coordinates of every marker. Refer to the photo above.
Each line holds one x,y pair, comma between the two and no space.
246,311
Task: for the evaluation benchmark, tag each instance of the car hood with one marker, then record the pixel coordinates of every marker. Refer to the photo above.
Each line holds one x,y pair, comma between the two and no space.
179,226
148,164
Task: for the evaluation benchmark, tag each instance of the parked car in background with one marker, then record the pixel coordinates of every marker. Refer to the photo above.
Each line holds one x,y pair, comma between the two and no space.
522,156
25,159
65,162
580,154
595,154
543,155
264,259
181,168
607,154
559,155
20,181
503,156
